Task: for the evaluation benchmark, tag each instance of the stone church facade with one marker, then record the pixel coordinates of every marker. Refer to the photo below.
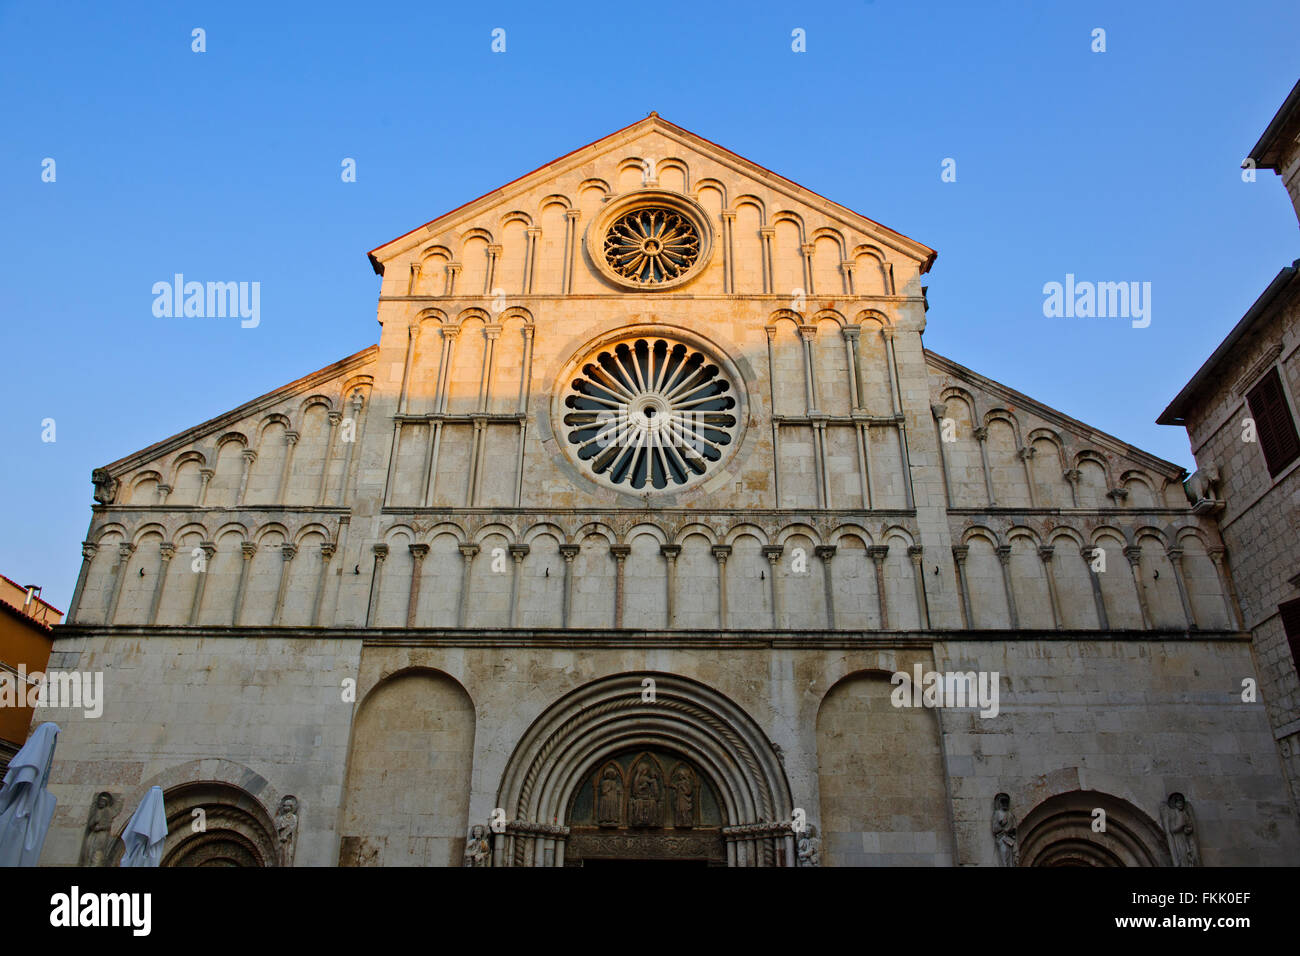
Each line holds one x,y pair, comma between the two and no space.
611,549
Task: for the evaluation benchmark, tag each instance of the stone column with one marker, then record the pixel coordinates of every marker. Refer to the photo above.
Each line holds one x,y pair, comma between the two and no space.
568,552
530,257
1045,553
168,551
620,553
1227,588
982,436
334,419
493,254
1003,552
380,551
940,412
806,334
1071,476
877,553
846,271
773,554
819,463
1134,555
807,250
326,553
467,553
88,549
728,257
765,235
356,403
827,553
249,551
1176,559
412,342
721,552
124,552
491,333
1026,454
776,424
287,553
518,552
670,553
851,334
205,478
196,606
896,400
1089,552
453,272
249,457
413,279
959,552
418,553
914,551
163,492
291,442
570,247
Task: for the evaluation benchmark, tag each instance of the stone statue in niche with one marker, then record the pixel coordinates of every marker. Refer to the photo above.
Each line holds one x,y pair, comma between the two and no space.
810,847
682,783
105,486
609,797
98,840
1180,830
646,799
286,828
1004,830
478,852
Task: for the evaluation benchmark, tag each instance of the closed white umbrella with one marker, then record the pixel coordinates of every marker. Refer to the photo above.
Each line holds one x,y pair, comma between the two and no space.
26,807
145,831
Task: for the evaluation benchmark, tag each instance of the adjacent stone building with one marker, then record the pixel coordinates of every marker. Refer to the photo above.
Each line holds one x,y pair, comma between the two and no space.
1240,411
616,546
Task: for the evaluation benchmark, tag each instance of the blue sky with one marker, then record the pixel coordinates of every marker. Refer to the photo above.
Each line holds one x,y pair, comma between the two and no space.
1115,166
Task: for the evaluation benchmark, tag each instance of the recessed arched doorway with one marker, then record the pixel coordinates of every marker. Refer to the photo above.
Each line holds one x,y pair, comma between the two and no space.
1090,828
644,768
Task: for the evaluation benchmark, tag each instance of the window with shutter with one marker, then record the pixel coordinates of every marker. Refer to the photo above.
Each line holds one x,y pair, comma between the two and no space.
1273,424
1291,624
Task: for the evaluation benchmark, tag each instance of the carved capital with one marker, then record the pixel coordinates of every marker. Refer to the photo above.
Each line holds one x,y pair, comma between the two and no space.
125,550
772,552
468,550
1045,552
620,551
721,552
670,551
878,552
824,551
88,549
959,552
914,551
288,552
1071,475
981,433
569,551
168,550
248,549
380,551
1003,551
419,551
518,551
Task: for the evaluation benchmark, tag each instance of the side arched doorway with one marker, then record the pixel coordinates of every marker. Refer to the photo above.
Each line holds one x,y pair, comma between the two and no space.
1067,830
644,767
214,824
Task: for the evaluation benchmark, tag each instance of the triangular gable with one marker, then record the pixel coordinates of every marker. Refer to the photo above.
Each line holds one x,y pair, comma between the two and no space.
910,247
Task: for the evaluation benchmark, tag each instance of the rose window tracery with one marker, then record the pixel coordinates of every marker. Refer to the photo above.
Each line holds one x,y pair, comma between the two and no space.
649,413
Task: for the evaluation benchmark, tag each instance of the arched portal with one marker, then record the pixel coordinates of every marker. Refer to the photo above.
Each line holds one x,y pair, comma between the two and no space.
1067,830
639,733
237,830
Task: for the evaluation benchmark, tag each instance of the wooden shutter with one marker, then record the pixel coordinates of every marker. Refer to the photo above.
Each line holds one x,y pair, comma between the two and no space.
1273,424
